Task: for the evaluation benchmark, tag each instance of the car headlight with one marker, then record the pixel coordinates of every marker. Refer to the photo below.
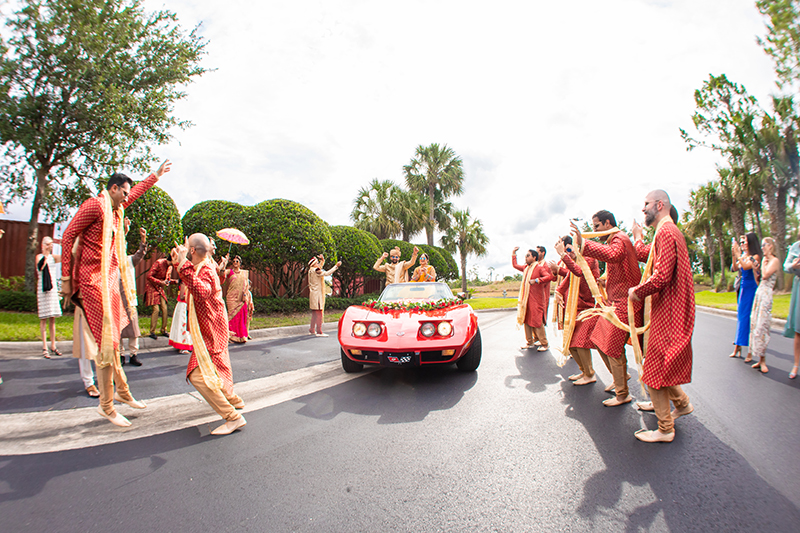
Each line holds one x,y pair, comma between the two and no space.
427,329
444,329
359,328
373,330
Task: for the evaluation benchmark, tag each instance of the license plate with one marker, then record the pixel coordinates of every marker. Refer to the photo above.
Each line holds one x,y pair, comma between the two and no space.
399,360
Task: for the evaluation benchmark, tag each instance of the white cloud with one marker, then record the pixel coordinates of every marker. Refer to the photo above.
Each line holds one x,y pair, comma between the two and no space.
558,109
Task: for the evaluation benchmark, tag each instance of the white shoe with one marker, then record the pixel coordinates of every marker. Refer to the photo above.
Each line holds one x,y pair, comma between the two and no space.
646,435
229,427
645,406
117,420
677,413
132,402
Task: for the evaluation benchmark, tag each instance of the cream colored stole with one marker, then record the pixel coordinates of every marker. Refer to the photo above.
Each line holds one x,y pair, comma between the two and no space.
107,354
524,290
204,362
399,272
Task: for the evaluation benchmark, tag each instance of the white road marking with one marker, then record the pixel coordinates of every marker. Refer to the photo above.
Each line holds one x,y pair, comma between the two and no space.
52,431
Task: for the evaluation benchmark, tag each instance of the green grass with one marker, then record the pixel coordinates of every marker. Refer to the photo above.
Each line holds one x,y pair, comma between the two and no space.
492,303
25,326
727,300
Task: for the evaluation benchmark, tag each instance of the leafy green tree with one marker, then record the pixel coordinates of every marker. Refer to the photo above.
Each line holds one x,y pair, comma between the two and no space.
85,88
213,215
437,173
357,249
373,210
284,235
410,210
465,234
156,212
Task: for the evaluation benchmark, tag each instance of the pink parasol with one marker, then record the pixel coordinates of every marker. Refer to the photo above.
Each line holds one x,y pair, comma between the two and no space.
233,235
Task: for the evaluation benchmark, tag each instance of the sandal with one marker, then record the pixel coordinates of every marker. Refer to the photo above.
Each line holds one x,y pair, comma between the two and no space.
56,352
793,373
45,354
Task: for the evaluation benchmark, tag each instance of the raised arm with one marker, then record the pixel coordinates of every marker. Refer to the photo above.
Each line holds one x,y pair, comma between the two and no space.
611,252
87,214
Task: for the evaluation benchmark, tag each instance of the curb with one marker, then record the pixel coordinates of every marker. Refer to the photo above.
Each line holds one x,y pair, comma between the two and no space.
776,322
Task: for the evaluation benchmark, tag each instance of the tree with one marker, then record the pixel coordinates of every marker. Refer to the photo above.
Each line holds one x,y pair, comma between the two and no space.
466,235
436,173
284,235
86,87
373,210
410,210
156,212
357,250
213,215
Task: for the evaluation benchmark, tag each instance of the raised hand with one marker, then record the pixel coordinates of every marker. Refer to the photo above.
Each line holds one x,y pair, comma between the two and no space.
163,169
516,249
560,248
576,235
636,230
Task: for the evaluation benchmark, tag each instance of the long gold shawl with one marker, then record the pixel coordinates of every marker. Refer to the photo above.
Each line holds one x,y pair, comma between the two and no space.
204,362
107,354
524,290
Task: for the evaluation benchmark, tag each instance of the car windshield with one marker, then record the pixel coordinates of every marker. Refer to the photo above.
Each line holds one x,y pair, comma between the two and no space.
415,291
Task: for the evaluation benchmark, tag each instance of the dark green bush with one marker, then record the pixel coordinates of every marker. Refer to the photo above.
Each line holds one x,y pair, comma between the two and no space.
18,301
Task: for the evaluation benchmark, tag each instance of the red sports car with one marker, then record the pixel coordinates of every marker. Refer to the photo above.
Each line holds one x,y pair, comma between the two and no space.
411,324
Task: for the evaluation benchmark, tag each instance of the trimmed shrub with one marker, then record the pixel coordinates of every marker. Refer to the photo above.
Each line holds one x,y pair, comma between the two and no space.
156,212
18,301
358,250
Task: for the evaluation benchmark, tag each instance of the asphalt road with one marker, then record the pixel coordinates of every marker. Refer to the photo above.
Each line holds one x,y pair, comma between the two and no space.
512,447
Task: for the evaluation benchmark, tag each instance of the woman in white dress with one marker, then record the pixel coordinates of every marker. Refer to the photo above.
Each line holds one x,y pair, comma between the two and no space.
761,317
47,294
179,336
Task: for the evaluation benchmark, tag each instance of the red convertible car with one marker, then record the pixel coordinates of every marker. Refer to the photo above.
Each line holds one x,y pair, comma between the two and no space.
411,324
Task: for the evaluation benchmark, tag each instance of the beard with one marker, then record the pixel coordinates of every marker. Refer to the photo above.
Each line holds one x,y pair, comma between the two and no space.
650,217
395,260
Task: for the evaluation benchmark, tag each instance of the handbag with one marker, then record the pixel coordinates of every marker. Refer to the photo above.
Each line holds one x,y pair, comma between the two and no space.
47,281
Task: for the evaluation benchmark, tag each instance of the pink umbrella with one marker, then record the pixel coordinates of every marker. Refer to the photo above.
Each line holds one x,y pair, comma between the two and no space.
233,235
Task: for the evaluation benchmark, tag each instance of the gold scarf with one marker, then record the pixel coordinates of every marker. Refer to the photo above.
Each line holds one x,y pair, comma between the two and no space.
107,354
399,272
524,290
204,362
570,316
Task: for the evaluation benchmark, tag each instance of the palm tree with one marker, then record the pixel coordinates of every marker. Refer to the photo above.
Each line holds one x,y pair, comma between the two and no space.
467,235
410,210
437,173
372,210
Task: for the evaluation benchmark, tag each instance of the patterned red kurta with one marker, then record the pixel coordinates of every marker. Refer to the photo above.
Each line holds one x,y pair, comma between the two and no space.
537,298
668,360
623,272
211,317
88,224
156,281
581,336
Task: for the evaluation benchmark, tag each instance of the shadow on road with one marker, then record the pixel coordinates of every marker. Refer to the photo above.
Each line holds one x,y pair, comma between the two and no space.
698,482
394,395
538,369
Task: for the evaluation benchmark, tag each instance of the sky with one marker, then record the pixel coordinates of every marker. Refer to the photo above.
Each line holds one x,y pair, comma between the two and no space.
557,109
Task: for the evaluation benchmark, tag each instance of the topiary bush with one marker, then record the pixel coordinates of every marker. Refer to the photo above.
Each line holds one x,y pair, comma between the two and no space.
156,212
358,250
18,301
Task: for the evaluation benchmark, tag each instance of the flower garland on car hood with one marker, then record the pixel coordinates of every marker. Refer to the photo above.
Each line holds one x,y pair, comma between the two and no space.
383,307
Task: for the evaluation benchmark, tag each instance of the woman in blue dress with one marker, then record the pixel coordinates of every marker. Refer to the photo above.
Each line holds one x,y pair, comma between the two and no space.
747,259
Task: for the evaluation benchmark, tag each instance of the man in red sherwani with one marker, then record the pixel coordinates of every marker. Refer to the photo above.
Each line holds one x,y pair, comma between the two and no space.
530,312
622,273
98,223
209,369
580,346
668,354
158,278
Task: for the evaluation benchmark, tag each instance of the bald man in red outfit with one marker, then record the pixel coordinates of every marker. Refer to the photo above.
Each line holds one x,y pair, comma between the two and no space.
622,273
668,354
209,369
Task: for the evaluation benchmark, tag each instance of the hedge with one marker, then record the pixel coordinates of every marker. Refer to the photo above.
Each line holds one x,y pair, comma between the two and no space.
18,301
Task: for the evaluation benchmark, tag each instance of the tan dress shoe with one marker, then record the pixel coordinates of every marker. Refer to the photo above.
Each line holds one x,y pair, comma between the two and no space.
575,377
584,380
542,348
677,413
645,406
229,427
92,391
614,402
609,388
132,402
117,419
646,435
